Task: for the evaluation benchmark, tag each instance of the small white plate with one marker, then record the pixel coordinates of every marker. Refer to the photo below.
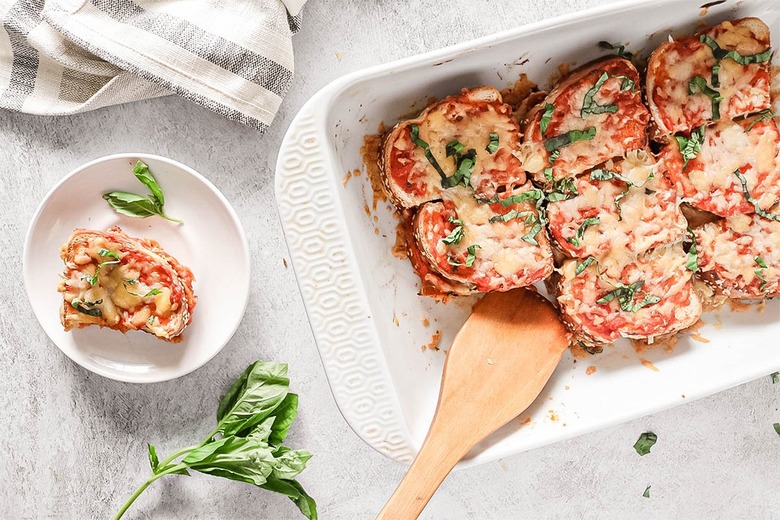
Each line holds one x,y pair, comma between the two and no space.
211,242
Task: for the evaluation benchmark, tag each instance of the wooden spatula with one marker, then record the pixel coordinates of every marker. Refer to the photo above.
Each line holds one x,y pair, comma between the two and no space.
496,367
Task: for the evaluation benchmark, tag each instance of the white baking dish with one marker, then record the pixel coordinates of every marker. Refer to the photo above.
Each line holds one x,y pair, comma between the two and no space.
362,301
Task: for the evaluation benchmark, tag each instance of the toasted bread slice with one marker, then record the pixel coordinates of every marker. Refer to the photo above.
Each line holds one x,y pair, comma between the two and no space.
639,298
124,283
740,256
591,116
709,180
479,121
678,105
492,245
618,215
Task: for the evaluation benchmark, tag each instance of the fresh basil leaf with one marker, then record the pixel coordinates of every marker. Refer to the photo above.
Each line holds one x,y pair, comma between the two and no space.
692,264
559,141
775,377
415,131
583,265
295,492
237,458
453,148
746,192
457,233
698,84
645,442
130,204
153,460
589,106
288,464
646,494
619,49
253,397
544,122
492,146
142,173
588,222
722,54
284,416
764,115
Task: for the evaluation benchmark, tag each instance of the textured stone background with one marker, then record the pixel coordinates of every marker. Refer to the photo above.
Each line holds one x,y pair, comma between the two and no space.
72,444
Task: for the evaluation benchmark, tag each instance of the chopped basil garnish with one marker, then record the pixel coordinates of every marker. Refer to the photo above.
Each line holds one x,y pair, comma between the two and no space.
456,235
559,141
530,237
548,175
646,494
150,321
722,54
762,116
775,377
415,130
617,202
645,442
583,265
534,194
625,296
760,272
591,107
715,76
93,278
453,148
588,222
690,147
600,174
465,167
626,83
153,292
87,308
698,84
492,146
563,189
472,255
692,264
546,117
751,200
131,281
513,214
619,49
110,254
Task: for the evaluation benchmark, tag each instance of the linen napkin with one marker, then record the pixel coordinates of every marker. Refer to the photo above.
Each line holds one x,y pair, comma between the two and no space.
61,57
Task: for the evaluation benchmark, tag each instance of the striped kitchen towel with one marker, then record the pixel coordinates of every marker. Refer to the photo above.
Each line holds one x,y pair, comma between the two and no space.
60,57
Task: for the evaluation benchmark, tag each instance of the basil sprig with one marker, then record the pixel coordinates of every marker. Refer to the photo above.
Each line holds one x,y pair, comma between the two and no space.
588,222
691,146
134,205
457,233
692,262
589,106
746,192
572,136
646,441
698,84
625,296
253,419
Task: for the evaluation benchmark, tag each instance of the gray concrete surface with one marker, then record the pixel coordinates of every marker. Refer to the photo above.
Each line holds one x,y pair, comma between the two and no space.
72,444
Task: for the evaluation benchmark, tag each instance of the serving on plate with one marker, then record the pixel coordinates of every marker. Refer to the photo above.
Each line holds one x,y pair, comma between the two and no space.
385,386
127,273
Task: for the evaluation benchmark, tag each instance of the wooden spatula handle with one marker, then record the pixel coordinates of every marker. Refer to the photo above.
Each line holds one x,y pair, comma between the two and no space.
435,460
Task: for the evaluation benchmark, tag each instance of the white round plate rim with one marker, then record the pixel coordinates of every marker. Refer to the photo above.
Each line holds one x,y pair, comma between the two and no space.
240,293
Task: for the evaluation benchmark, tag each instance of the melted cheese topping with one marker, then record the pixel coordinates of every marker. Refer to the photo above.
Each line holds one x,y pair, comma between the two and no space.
728,251
504,260
709,182
744,88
